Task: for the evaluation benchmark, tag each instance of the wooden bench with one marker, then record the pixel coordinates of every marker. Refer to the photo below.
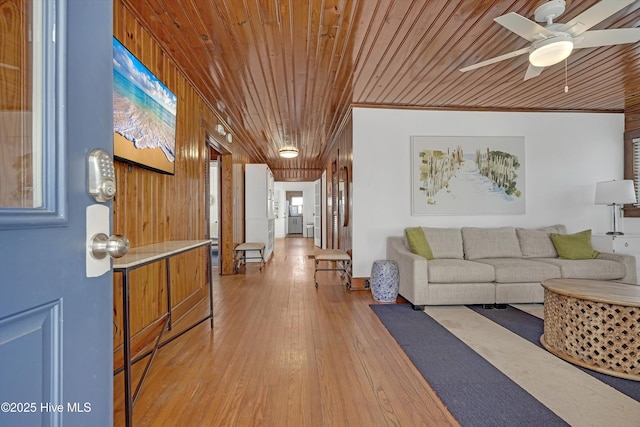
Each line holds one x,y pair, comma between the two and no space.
240,254
341,263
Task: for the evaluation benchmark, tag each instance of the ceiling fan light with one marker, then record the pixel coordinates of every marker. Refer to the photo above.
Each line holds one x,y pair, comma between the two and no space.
551,51
288,152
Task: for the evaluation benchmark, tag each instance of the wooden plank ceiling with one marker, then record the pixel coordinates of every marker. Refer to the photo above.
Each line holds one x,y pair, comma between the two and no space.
287,72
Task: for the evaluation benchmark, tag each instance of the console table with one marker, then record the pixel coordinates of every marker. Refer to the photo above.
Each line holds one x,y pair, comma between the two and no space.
593,324
136,258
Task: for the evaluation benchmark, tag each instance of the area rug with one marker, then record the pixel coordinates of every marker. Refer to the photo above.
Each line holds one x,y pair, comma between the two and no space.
489,369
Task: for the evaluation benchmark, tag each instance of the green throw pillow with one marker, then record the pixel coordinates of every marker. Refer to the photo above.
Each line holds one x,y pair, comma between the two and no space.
574,246
418,242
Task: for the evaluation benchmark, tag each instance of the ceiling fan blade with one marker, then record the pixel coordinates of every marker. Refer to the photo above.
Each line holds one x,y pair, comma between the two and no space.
496,59
522,26
595,14
532,72
598,38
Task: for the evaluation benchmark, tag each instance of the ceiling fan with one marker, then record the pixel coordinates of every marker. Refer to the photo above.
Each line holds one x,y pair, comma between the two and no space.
555,42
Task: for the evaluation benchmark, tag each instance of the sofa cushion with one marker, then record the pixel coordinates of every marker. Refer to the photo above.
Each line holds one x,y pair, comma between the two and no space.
536,243
461,293
518,270
499,242
445,242
418,242
574,246
597,269
459,271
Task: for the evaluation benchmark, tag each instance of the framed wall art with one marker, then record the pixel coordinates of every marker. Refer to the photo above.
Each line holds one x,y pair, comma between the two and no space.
467,175
144,114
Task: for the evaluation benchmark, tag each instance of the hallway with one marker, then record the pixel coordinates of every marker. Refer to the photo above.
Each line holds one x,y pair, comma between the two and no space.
285,353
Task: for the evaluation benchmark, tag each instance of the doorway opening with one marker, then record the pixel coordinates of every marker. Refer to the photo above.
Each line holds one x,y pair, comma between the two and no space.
214,209
294,213
298,210
217,201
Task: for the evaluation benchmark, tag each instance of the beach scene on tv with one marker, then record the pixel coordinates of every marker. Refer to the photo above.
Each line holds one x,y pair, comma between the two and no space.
144,114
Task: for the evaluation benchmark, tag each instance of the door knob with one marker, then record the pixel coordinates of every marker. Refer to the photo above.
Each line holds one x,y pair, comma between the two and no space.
102,245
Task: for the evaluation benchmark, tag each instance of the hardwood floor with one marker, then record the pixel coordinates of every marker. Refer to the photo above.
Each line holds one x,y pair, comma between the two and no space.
283,353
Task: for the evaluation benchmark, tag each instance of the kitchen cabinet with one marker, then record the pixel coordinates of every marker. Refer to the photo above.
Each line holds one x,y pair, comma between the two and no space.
295,225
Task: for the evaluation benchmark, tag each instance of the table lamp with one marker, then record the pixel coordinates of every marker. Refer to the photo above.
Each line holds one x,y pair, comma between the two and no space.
615,194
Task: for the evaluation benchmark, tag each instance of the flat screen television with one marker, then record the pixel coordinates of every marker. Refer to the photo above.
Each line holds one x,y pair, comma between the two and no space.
144,114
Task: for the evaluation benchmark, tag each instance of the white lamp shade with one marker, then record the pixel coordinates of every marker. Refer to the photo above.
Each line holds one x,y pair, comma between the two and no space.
615,192
551,51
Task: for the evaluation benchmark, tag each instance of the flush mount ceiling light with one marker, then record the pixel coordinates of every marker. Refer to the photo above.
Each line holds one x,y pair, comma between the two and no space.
288,152
550,51
220,130
229,138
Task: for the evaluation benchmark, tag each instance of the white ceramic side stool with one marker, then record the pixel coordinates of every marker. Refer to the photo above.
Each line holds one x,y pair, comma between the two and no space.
385,280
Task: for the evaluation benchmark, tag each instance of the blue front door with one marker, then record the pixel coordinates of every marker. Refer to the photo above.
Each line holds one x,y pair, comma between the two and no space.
55,106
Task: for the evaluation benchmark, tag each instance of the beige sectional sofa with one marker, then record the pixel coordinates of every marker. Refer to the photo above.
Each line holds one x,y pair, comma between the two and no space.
502,265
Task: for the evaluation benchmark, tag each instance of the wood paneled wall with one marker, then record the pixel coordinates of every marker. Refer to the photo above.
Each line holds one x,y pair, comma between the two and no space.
632,118
341,156
151,207
631,132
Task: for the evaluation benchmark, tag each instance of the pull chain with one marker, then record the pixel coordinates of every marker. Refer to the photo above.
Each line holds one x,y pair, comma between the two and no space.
566,82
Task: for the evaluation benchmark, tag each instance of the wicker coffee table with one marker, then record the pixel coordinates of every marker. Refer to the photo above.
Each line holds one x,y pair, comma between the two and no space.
594,324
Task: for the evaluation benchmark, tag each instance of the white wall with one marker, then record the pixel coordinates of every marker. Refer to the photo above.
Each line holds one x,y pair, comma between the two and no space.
308,195
565,155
